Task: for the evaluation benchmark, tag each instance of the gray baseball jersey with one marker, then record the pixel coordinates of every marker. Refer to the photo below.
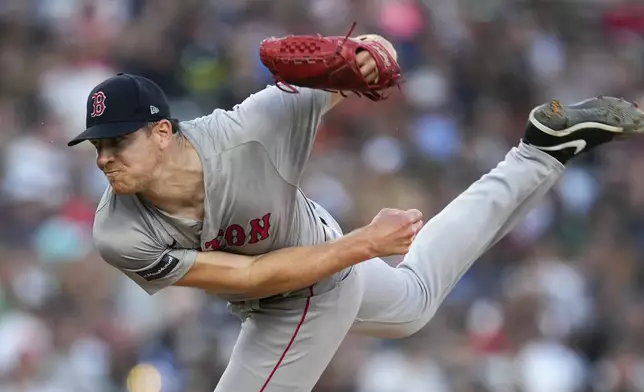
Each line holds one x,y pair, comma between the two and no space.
253,157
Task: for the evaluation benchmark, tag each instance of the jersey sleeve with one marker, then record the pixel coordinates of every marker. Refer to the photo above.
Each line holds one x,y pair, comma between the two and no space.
285,124
136,252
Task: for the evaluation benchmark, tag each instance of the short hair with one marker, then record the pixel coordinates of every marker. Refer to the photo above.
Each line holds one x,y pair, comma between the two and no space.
176,126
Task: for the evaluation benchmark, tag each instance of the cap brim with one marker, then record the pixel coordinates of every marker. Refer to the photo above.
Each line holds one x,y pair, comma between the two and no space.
108,131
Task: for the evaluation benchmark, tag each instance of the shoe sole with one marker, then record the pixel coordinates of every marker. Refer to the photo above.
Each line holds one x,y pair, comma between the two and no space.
609,114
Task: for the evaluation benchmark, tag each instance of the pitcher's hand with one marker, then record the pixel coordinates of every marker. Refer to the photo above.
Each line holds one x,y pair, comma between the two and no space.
366,62
392,231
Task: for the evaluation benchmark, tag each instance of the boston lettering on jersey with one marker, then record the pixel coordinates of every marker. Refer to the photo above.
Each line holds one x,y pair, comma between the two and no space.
236,235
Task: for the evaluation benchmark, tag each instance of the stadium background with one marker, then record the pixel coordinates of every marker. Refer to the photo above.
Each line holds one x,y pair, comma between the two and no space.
555,307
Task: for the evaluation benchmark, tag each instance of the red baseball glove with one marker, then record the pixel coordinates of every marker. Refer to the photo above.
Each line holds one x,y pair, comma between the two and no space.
328,63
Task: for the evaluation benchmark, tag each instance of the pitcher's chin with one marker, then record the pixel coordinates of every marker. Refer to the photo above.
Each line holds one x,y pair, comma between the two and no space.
121,186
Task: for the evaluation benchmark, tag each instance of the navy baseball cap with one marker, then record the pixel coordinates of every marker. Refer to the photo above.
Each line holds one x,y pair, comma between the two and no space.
121,105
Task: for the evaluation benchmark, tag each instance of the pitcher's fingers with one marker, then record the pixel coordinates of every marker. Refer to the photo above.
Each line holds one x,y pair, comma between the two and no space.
369,68
363,57
417,226
414,215
372,77
413,231
401,250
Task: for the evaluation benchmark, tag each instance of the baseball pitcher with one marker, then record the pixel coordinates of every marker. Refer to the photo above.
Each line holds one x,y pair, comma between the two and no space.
214,203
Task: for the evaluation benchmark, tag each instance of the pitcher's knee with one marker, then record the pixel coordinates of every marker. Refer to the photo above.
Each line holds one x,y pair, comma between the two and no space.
423,303
398,330
413,327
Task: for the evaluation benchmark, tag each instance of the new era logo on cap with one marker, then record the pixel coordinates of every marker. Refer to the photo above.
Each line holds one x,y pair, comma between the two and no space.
121,105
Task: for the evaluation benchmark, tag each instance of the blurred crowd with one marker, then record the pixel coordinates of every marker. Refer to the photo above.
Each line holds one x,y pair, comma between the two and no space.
555,307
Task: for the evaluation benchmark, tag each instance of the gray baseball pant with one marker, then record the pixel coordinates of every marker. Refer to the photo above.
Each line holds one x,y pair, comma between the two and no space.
285,345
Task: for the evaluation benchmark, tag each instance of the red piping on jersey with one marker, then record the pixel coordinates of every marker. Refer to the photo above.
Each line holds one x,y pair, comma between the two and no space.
290,343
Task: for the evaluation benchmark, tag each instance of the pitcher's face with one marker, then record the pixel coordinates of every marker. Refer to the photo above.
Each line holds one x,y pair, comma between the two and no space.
129,162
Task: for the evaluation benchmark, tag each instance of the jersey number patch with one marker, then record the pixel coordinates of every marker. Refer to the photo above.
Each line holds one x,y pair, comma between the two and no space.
98,103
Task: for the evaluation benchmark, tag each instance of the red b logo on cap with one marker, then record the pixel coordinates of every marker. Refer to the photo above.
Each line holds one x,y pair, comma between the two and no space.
98,103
